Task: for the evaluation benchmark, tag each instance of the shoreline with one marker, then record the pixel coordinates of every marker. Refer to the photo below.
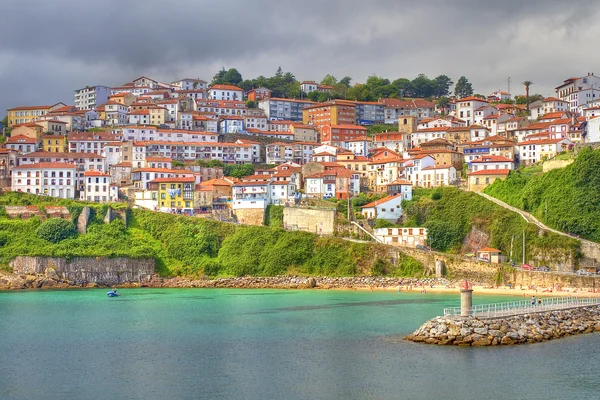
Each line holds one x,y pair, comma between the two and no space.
10,281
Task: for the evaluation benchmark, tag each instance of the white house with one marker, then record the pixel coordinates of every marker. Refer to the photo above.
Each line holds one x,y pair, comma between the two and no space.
435,176
225,92
491,163
54,179
413,168
139,117
483,112
360,147
405,237
532,151
465,108
116,113
189,84
593,130
96,187
256,122
309,86
388,208
231,124
91,96
499,95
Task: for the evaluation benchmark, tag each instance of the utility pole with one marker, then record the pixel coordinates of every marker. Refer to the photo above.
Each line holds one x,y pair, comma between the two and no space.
508,80
512,239
523,246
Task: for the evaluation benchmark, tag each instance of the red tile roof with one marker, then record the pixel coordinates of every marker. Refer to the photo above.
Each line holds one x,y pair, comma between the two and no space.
174,179
381,201
226,87
491,172
486,159
46,165
94,173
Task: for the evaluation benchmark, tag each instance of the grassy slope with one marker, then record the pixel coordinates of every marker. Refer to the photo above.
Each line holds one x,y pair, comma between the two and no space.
186,246
567,199
450,214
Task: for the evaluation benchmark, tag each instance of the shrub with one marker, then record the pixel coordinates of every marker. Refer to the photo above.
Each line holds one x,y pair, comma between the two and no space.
56,230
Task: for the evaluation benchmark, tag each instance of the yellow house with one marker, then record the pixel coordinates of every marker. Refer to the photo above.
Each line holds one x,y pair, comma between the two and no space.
336,112
29,129
174,194
124,98
304,133
54,143
158,115
101,110
25,114
357,164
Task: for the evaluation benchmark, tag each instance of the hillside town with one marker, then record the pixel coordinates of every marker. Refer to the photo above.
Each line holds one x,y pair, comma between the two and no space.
163,146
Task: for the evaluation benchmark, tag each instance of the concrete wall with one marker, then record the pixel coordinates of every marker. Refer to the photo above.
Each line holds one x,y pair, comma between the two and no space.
554,164
108,271
310,220
250,216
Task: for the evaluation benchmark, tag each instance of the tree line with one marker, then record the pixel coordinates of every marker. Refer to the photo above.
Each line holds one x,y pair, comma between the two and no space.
285,84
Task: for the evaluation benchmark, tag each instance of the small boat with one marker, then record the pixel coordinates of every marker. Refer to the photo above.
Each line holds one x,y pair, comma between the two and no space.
112,293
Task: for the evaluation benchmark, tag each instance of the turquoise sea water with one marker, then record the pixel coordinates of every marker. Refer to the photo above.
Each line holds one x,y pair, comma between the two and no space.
266,344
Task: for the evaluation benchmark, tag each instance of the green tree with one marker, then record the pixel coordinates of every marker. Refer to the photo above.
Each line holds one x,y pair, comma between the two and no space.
345,81
423,87
250,104
313,96
177,163
56,229
527,84
238,170
403,87
463,88
232,77
219,76
329,80
442,86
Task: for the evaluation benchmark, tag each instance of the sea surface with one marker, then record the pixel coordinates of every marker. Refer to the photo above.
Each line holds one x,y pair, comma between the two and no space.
266,344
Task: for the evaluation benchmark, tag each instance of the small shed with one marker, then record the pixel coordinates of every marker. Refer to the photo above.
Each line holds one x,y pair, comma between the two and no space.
490,254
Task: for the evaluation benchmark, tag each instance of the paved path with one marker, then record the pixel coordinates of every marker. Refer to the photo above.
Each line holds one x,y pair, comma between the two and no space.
527,216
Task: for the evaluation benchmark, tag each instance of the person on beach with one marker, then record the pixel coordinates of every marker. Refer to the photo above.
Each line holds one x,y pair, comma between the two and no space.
533,300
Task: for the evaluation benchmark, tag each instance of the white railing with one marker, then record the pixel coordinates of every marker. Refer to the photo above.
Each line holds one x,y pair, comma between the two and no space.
525,306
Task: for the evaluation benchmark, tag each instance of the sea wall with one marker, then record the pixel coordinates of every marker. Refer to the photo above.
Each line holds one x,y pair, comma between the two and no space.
100,270
520,329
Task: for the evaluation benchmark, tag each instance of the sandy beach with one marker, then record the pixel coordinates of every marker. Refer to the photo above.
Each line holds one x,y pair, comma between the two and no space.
504,291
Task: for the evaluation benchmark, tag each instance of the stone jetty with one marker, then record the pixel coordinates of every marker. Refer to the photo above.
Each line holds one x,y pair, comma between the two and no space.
519,329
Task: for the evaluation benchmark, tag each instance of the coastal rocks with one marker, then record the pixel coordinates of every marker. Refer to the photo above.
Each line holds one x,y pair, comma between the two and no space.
520,329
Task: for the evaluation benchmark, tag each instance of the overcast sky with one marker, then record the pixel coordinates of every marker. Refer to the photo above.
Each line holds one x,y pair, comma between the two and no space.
50,48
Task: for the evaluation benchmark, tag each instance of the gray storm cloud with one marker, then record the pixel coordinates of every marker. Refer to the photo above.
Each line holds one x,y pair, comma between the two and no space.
50,48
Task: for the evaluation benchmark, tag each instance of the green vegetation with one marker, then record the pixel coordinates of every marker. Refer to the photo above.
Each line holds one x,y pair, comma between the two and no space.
378,128
56,230
451,214
566,199
285,84
357,203
192,247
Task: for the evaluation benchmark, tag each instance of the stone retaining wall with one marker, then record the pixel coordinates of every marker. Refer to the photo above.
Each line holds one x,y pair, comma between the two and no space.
104,271
520,329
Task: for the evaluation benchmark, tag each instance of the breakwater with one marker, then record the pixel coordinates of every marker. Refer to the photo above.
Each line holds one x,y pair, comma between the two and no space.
519,329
